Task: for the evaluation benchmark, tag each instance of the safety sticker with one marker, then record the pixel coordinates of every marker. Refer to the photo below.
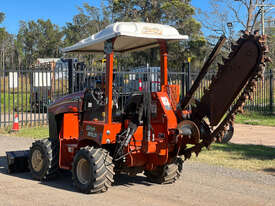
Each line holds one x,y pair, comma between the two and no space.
90,128
92,134
166,103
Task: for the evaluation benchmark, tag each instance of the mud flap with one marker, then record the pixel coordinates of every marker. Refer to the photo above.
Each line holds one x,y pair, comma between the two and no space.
17,161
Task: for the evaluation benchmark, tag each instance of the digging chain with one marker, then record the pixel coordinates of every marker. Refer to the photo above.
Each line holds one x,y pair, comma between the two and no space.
218,132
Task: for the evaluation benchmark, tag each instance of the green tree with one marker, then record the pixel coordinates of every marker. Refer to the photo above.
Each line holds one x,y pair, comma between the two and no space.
240,14
177,13
7,46
2,37
2,17
90,20
270,32
40,39
75,31
243,14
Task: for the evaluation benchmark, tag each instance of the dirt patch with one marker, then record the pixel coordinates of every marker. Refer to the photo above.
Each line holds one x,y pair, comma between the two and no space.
200,184
252,134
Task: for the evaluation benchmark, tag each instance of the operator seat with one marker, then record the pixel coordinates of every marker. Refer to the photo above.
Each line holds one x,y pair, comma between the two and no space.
134,108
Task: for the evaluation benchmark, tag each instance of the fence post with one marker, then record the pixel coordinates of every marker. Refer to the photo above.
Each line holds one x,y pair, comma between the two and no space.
271,92
188,78
70,74
182,80
0,96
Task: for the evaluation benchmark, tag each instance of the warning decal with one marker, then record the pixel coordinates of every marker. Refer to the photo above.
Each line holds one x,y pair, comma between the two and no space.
166,103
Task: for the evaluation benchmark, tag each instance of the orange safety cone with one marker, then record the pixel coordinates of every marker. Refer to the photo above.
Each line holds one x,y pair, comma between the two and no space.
15,126
139,85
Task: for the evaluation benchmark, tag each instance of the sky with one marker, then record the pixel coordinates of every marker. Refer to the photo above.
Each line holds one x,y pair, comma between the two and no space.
58,11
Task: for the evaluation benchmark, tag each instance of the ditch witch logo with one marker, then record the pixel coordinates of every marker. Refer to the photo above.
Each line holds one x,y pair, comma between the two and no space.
151,30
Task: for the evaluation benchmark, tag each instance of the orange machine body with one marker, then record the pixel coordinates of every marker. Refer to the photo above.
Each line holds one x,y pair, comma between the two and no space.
148,153
153,151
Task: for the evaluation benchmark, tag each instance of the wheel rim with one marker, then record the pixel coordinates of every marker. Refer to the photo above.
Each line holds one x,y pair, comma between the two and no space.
83,171
37,160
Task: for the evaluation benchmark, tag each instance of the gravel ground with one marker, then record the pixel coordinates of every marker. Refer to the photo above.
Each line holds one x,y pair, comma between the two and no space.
254,134
200,184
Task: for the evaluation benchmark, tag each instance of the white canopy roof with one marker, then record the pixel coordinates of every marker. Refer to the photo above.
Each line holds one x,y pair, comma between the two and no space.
131,36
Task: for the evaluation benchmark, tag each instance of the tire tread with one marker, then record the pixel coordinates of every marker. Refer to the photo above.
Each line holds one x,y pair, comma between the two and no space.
102,169
166,174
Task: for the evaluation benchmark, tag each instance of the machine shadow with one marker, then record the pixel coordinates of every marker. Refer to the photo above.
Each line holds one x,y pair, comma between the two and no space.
270,171
126,180
64,178
62,181
4,170
248,151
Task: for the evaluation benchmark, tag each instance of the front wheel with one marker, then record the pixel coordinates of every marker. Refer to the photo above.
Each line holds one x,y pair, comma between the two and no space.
167,173
93,170
43,158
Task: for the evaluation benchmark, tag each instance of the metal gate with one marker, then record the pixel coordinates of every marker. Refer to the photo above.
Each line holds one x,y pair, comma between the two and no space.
26,93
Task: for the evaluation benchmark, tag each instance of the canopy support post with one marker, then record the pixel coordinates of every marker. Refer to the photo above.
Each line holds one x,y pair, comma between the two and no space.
108,49
163,63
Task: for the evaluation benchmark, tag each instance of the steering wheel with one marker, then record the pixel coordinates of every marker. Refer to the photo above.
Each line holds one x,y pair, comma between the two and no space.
115,98
98,96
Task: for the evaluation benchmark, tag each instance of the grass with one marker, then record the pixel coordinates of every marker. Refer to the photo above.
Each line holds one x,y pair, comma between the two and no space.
19,102
255,118
34,132
244,157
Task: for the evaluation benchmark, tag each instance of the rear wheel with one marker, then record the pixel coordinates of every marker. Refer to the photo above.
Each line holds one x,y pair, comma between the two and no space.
93,170
43,158
227,135
167,173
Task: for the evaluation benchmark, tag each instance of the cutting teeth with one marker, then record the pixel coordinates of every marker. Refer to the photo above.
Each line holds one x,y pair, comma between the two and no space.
213,78
260,76
240,41
245,33
253,83
265,48
231,54
218,132
267,59
259,72
205,90
198,150
231,121
234,47
224,60
187,155
250,90
220,66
